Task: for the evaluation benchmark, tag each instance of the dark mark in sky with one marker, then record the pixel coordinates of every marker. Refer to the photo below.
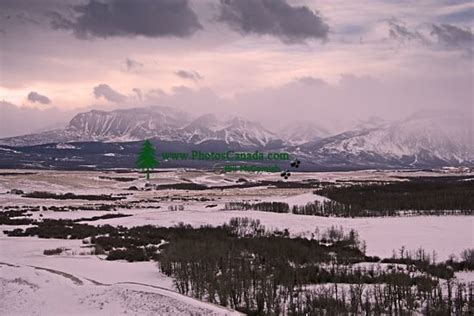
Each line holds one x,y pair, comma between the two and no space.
36,97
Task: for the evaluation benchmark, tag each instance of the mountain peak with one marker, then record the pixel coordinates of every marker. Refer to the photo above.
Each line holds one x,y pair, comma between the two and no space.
206,120
301,132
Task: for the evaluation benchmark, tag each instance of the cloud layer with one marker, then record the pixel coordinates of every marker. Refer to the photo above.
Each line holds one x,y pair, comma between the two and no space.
126,18
273,17
19,120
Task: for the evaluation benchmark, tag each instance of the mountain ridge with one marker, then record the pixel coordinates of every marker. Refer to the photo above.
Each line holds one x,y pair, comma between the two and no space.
419,140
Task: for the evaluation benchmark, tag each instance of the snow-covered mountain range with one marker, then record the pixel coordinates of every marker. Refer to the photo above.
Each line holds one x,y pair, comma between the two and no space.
424,139
162,123
235,131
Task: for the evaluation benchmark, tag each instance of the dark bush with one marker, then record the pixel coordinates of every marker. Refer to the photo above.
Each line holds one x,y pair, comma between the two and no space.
51,252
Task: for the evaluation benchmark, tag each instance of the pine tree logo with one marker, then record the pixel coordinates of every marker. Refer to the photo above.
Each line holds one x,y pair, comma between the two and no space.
146,160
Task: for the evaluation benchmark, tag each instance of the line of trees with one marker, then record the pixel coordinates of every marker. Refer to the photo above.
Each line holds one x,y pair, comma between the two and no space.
396,297
316,208
276,207
420,194
411,198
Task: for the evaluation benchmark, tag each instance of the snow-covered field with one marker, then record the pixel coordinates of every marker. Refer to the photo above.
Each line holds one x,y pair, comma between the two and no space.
76,283
445,235
32,290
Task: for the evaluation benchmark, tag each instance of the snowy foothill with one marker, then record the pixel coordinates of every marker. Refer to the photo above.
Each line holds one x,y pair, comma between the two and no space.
46,291
75,283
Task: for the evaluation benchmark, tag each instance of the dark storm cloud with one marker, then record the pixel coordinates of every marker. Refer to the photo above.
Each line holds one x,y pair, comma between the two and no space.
128,18
273,17
191,75
36,97
452,36
104,90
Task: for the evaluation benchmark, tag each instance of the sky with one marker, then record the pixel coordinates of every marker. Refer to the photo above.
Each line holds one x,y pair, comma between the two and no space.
330,62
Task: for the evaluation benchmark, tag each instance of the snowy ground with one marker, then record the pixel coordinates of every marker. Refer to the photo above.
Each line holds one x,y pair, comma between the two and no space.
32,290
73,284
80,284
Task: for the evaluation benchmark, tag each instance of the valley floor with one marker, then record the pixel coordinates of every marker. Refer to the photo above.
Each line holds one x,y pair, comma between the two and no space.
78,283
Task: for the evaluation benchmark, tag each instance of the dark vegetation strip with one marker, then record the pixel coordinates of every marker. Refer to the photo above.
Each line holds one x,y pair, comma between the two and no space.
96,218
275,207
53,252
331,208
71,208
447,193
72,196
10,217
120,179
66,208
277,184
20,217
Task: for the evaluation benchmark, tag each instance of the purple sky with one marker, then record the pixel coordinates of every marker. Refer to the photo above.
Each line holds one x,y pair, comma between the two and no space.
328,61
